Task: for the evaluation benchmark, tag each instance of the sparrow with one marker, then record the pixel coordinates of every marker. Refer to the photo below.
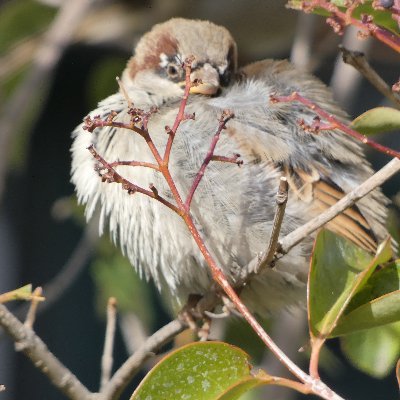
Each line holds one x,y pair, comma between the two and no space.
233,207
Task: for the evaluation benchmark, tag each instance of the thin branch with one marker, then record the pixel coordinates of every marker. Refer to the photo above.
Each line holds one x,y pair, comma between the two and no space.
281,200
335,123
340,19
113,389
295,237
124,92
360,63
225,117
180,116
135,164
110,176
107,358
31,315
33,347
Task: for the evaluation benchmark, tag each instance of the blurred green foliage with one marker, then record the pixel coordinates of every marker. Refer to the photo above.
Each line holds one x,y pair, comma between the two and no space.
21,19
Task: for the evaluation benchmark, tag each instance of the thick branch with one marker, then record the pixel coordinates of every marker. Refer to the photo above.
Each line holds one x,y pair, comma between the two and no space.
33,347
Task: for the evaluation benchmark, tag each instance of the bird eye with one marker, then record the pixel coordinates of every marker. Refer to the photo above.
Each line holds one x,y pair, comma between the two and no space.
172,71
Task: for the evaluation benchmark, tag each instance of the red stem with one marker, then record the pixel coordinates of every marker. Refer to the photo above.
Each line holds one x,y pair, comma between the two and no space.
336,123
379,33
181,113
131,187
134,164
208,158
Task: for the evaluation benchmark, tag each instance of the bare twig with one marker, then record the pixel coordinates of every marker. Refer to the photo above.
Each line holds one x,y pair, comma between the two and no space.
33,347
360,63
225,117
132,365
281,200
295,237
107,358
180,116
124,92
31,315
335,123
111,176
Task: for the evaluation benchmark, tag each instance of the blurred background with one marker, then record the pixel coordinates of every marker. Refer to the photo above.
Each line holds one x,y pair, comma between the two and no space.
57,60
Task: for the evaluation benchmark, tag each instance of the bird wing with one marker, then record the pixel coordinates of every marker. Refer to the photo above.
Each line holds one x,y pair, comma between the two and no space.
320,169
321,193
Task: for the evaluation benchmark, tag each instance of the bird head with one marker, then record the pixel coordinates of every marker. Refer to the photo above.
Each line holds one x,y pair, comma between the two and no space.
157,65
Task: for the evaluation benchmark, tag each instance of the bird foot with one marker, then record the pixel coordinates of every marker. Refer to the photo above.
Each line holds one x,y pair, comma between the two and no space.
198,312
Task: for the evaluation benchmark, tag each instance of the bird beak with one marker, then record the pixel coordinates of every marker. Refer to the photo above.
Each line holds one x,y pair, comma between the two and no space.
209,78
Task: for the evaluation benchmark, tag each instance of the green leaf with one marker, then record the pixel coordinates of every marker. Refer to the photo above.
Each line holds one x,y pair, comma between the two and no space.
241,387
380,311
374,351
382,281
339,269
382,18
202,370
22,293
377,120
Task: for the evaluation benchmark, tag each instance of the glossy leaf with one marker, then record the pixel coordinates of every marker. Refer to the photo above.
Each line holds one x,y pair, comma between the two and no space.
377,120
380,311
241,387
376,304
339,269
374,351
383,281
202,370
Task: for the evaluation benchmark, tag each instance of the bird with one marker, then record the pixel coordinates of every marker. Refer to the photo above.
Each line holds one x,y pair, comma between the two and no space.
233,207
